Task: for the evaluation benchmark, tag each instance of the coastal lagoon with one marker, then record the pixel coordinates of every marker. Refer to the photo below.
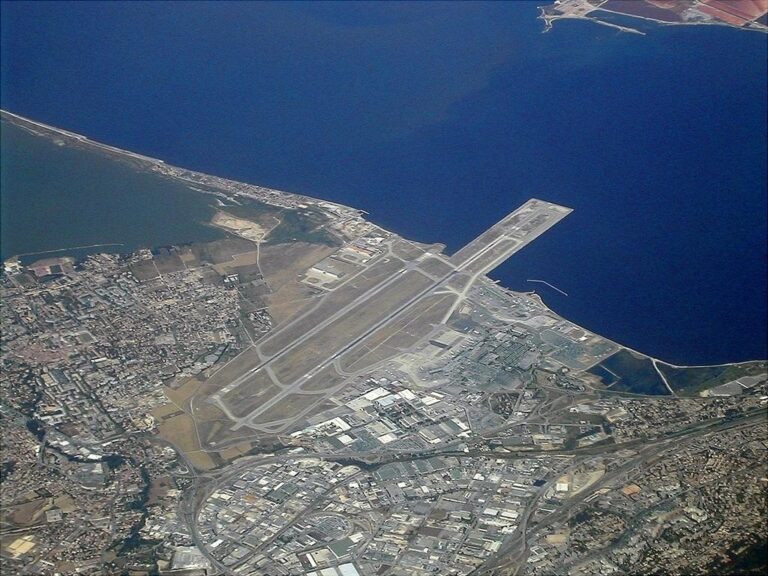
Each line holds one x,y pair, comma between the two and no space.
437,119
56,196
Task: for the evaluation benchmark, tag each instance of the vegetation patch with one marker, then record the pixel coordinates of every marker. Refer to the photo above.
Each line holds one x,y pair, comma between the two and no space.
299,225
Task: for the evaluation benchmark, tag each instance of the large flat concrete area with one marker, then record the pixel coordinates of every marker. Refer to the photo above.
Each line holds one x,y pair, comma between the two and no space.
508,236
379,312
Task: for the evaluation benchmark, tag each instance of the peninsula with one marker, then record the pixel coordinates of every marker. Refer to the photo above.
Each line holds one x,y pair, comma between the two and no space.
314,395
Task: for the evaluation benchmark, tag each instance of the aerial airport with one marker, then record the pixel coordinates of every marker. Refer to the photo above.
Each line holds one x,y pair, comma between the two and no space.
314,395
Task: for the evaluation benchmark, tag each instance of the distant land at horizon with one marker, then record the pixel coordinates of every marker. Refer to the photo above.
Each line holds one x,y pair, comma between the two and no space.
740,14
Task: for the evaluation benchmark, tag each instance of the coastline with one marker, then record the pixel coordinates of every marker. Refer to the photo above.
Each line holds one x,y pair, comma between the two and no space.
549,20
666,23
228,188
155,164
22,122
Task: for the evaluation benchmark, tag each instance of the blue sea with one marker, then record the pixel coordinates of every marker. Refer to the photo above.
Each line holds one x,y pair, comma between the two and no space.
438,119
